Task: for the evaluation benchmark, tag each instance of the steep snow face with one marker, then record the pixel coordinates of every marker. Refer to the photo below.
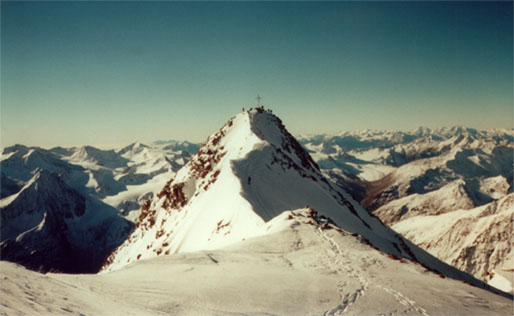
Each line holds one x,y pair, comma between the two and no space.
250,171
494,187
303,265
23,211
477,241
192,212
48,226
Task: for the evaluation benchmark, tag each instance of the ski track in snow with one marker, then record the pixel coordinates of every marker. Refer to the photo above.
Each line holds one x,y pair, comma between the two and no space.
334,262
404,300
303,270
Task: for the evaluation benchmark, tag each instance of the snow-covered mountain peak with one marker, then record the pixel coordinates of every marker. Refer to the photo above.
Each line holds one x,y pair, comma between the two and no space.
44,188
132,149
252,178
256,131
12,149
245,174
43,180
48,225
91,157
269,128
422,131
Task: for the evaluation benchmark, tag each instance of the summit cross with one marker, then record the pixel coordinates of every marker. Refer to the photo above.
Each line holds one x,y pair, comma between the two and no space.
258,100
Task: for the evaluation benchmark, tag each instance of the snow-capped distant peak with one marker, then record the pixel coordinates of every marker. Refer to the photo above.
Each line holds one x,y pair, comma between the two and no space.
133,148
48,225
41,189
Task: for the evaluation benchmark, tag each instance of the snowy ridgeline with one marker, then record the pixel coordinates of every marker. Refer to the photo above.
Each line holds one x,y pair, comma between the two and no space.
237,188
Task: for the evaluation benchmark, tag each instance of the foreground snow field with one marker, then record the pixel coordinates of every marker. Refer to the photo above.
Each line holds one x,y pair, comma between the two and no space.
299,269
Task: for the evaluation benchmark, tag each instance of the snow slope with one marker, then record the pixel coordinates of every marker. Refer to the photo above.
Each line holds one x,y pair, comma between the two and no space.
478,241
250,171
302,266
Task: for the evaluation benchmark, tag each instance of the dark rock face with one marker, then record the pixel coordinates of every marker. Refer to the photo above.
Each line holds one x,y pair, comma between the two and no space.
8,186
47,195
48,227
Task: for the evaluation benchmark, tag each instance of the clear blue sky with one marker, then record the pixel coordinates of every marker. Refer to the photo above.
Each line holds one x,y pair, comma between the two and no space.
102,73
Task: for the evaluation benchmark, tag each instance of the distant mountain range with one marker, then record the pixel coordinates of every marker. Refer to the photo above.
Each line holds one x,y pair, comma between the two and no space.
404,178
442,176
66,209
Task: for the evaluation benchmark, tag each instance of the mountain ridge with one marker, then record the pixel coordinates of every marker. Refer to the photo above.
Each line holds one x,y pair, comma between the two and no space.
398,179
258,171
48,226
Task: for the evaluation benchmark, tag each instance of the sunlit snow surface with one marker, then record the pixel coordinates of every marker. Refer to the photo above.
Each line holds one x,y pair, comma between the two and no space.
296,269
